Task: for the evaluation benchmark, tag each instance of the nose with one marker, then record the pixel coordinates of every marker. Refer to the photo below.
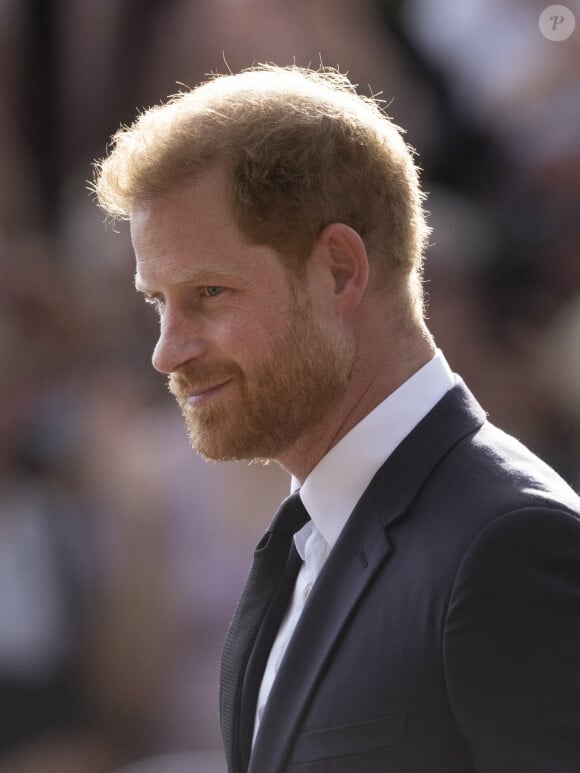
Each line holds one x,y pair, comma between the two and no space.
179,342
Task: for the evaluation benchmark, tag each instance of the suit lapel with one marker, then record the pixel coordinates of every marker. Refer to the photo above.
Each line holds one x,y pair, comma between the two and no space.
341,583
361,550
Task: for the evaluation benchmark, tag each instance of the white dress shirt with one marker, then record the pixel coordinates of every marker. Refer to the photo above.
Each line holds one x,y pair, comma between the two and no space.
334,486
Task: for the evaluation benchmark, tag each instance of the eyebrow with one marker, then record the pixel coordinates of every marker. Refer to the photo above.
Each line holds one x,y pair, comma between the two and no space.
200,278
139,286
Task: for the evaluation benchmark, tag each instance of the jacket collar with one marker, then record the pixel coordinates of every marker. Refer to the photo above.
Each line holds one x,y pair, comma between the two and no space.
361,550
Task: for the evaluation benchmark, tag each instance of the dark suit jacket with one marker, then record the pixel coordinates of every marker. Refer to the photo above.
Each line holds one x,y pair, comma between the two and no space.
443,633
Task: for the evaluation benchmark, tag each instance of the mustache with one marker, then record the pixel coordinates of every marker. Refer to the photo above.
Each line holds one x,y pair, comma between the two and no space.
186,382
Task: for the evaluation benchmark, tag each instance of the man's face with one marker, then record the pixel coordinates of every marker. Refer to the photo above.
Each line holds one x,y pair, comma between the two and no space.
251,363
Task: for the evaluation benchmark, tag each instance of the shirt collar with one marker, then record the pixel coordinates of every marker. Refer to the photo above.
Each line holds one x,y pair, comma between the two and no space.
334,486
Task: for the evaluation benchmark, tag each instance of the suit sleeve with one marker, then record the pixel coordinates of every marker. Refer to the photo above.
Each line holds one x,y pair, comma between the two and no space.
511,644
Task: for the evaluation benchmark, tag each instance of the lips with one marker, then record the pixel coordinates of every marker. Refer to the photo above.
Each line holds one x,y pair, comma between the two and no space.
203,394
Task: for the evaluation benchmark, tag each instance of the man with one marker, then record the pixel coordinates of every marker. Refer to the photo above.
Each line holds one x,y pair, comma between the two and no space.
432,621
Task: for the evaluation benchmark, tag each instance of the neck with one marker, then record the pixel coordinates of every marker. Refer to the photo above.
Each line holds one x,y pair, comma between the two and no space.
374,378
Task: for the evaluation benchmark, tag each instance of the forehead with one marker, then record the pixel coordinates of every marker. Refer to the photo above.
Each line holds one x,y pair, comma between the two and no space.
191,218
201,208
191,235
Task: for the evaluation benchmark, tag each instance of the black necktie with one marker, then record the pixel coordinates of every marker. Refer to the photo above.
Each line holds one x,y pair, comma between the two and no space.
269,564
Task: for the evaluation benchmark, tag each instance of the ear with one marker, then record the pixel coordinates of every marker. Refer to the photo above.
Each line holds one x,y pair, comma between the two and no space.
342,253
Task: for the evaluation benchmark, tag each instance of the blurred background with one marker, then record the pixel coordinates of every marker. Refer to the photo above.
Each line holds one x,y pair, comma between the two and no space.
121,552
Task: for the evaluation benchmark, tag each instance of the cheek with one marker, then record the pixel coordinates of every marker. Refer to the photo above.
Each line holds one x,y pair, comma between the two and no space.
253,339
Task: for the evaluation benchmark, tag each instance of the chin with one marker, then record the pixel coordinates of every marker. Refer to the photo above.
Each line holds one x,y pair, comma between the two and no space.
236,446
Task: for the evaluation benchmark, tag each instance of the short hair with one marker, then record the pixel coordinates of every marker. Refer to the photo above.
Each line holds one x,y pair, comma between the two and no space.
302,149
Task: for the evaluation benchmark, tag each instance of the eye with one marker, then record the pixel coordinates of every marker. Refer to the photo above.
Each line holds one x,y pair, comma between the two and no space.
156,301
212,291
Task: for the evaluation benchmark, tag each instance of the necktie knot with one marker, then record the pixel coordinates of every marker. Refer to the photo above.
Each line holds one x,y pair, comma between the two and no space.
290,517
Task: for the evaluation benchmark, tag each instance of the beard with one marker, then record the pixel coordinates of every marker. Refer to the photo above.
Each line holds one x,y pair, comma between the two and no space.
270,403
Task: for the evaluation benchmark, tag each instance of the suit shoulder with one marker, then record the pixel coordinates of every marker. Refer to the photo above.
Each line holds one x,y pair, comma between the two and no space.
513,473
